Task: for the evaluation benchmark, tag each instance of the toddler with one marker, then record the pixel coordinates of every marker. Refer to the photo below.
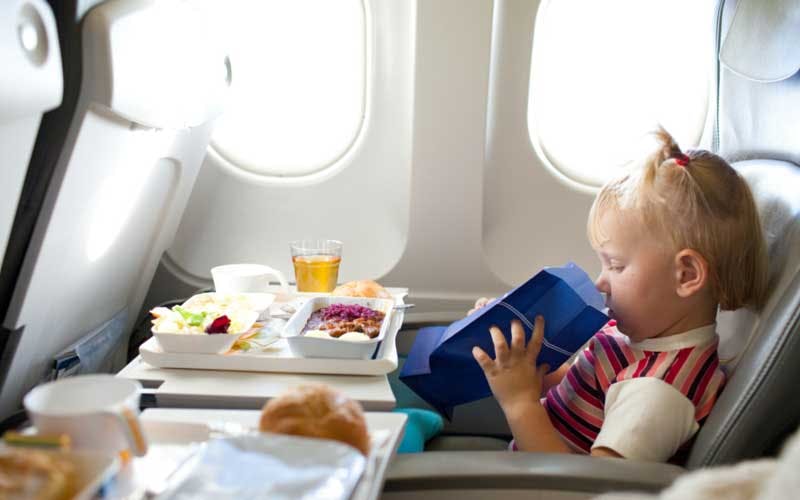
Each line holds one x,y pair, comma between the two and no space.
678,238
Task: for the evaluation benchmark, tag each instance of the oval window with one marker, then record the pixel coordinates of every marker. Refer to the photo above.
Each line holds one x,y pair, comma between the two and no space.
604,74
298,83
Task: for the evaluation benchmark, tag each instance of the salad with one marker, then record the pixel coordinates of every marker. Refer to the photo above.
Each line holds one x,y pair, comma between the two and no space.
199,321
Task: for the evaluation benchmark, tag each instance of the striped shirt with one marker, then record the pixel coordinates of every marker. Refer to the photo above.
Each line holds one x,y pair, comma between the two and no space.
683,369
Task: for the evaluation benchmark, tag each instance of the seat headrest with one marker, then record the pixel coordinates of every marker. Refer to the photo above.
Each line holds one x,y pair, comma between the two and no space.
156,63
757,405
763,41
31,81
775,185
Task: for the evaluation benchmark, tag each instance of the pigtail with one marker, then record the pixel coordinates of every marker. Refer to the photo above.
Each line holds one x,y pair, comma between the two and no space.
669,148
667,155
667,180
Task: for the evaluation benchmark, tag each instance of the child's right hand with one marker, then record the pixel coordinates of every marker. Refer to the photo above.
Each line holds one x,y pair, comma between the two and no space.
481,302
513,376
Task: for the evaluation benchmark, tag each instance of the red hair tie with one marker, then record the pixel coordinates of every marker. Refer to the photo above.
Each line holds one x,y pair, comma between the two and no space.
681,159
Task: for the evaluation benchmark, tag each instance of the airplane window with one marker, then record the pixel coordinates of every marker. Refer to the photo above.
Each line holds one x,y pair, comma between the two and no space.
298,83
603,74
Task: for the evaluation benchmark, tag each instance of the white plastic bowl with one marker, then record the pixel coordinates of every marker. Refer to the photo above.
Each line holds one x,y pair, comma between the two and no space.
315,347
203,343
196,343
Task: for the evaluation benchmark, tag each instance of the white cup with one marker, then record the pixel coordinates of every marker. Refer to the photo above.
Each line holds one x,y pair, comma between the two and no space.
97,412
238,278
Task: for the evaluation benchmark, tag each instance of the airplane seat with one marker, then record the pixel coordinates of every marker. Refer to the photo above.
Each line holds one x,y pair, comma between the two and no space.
154,78
755,127
30,84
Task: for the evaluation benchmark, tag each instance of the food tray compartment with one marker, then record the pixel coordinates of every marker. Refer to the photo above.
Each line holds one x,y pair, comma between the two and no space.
315,347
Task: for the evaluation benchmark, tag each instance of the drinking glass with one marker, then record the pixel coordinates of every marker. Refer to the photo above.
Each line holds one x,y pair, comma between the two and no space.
316,264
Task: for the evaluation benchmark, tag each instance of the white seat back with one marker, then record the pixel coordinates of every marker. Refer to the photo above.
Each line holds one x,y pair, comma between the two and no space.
30,84
154,79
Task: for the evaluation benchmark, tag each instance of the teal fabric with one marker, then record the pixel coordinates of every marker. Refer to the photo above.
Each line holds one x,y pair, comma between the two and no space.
423,422
421,426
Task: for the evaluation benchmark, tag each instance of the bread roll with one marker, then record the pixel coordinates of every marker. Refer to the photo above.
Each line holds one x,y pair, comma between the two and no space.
361,288
317,411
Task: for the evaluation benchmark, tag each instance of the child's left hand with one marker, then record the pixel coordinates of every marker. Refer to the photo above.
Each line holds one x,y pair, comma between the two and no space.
513,375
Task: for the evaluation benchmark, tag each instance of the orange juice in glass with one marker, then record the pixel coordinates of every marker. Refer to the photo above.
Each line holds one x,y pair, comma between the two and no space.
316,264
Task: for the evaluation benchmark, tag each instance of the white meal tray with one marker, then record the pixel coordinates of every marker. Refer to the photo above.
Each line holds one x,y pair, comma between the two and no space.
173,435
278,357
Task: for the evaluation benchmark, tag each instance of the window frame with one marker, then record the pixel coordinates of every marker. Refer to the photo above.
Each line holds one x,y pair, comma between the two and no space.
319,172
532,120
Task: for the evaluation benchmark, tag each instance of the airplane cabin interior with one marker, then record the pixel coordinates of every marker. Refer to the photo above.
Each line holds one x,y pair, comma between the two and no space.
240,238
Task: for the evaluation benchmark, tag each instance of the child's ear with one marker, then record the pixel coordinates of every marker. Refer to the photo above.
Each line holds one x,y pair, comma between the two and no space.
691,272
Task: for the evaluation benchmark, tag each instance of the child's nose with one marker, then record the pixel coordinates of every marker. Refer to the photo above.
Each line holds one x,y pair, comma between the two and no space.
601,284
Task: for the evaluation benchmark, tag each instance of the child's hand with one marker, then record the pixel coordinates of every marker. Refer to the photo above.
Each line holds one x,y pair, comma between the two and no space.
481,302
512,375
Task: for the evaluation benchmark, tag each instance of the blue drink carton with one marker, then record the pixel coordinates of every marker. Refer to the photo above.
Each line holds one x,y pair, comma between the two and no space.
440,367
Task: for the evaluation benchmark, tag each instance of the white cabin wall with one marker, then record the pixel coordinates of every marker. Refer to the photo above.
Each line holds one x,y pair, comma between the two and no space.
363,199
464,206
532,218
443,264
486,213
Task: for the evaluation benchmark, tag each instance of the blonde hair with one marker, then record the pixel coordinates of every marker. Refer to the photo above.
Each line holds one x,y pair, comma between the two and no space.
695,200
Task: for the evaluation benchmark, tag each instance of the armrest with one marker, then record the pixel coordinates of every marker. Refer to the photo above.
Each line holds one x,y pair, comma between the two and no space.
482,470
